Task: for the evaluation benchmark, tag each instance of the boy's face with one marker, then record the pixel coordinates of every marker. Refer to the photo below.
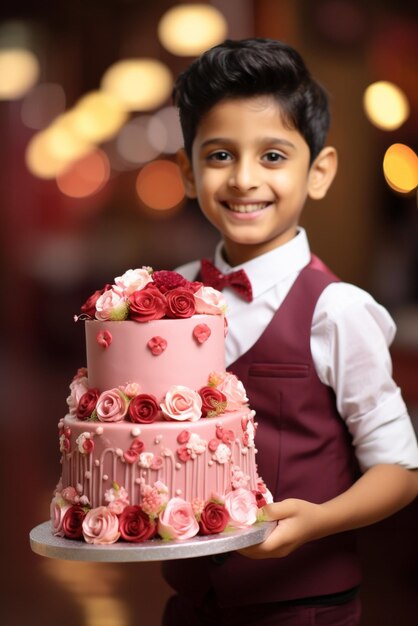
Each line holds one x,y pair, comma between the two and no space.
250,174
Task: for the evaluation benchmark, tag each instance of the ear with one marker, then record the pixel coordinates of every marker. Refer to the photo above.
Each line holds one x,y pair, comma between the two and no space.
322,173
186,171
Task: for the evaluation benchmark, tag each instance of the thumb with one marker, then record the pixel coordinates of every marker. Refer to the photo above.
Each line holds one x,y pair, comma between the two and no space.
277,510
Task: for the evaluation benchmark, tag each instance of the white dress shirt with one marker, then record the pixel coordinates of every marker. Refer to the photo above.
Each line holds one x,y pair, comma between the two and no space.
350,337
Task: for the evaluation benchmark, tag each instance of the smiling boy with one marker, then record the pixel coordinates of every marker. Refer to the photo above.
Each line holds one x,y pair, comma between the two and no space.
335,443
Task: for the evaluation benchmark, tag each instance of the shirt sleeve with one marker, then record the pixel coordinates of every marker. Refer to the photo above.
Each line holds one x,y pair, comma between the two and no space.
351,335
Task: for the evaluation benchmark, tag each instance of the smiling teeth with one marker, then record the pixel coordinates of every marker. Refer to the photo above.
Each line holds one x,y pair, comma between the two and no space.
247,208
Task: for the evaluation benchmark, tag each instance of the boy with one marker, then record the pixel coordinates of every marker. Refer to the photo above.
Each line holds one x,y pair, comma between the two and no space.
335,444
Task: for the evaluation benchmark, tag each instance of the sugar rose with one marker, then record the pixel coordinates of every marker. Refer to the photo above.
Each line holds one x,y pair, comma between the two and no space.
101,526
143,409
72,523
89,307
180,303
133,280
87,404
209,300
234,391
182,404
177,520
112,305
213,519
213,401
147,304
242,507
112,406
135,525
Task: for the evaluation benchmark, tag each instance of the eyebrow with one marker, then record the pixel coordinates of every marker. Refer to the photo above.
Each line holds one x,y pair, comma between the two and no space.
268,140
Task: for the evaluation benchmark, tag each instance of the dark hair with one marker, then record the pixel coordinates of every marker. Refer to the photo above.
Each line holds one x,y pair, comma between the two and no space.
253,67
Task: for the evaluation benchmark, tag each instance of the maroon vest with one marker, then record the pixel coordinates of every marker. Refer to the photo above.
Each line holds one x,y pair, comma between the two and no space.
304,451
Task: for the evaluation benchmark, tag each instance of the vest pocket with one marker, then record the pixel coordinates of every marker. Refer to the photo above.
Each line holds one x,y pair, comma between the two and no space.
279,370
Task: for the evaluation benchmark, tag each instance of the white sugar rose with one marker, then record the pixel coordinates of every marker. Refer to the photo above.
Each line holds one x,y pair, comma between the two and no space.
133,280
182,404
112,305
209,300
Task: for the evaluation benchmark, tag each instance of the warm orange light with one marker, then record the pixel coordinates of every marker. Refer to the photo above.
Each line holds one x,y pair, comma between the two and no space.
159,185
385,105
85,176
400,167
19,71
189,29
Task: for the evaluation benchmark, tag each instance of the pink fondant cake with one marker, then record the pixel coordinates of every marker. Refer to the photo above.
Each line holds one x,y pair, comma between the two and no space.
159,438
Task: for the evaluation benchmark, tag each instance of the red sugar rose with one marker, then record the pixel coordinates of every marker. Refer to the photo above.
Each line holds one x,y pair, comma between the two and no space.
259,498
135,525
87,404
147,304
72,523
180,303
212,400
214,518
143,409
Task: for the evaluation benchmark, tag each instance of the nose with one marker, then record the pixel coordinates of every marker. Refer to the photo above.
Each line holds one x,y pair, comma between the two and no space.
244,175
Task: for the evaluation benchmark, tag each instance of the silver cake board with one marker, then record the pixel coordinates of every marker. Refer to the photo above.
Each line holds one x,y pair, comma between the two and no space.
44,543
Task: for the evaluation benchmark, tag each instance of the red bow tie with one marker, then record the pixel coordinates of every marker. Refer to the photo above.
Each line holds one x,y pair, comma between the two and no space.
239,281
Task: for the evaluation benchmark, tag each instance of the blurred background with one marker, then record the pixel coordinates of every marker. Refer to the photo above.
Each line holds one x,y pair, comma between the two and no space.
89,188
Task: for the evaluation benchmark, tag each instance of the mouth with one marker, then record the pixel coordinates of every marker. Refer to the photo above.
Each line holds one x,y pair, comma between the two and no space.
245,207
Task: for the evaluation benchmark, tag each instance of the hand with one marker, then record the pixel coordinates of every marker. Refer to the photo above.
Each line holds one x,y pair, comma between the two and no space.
298,522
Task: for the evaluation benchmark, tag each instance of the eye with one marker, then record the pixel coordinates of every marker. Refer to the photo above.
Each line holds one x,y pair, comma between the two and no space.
219,155
272,156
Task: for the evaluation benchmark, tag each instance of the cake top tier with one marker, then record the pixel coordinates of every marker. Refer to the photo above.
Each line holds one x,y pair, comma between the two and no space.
144,295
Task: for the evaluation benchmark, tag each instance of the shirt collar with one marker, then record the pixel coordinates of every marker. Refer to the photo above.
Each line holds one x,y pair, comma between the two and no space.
274,266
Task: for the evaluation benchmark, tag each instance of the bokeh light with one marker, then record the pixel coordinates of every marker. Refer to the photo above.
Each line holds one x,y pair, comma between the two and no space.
42,104
40,160
164,131
19,71
189,29
139,84
85,176
385,105
159,185
98,116
400,167
133,143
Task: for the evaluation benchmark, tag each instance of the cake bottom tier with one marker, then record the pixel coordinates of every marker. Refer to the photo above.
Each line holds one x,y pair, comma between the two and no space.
193,460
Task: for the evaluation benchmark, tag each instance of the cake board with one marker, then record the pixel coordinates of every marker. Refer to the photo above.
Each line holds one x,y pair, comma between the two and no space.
44,543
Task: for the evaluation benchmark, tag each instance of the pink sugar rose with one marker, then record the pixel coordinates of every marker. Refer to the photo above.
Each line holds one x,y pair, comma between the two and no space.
182,404
70,495
112,305
101,526
209,300
180,303
112,406
242,507
85,443
147,304
133,280
58,509
177,520
234,391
